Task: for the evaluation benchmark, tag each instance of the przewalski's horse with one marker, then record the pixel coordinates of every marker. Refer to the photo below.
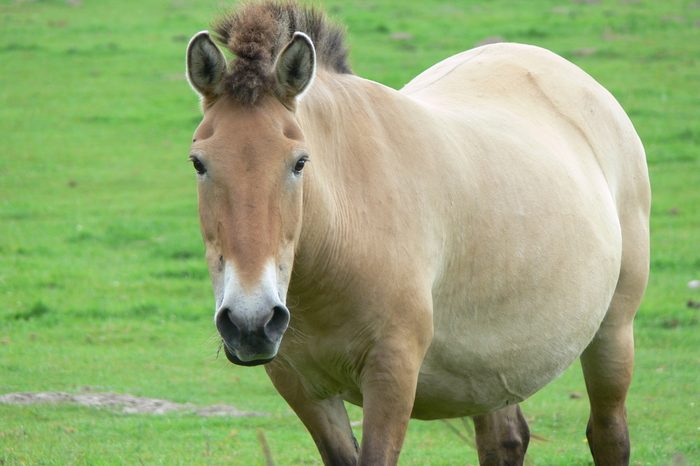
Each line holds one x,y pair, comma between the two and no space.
446,249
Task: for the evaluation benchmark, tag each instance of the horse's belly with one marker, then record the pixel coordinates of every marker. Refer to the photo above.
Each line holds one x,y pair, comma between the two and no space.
460,379
481,369
514,320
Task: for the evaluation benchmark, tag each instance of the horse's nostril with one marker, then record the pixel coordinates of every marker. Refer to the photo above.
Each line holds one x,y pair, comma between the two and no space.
275,327
229,331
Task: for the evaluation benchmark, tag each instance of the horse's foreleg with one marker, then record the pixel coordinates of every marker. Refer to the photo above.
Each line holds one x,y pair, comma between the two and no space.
502,437
326,420
389,379
388,391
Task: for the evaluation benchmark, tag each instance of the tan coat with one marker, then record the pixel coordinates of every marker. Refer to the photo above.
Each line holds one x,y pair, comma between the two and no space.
454,246
486,194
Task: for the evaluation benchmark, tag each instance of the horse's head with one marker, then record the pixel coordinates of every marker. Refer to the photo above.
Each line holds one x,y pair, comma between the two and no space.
249,155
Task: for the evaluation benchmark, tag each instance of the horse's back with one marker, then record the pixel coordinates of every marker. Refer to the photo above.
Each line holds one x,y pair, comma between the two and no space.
556,172
541,87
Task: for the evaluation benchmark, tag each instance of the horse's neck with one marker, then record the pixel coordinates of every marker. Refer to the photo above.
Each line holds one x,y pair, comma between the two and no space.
348,123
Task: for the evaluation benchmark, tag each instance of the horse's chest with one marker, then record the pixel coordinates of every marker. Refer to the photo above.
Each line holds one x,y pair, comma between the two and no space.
327,367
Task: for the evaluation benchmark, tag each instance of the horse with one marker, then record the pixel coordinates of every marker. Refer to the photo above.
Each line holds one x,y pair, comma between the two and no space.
443,250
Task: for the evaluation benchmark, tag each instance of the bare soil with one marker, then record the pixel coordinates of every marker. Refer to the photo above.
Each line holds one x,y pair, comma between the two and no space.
123,403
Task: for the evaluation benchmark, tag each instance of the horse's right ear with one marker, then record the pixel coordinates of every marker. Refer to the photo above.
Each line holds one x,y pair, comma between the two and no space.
206,65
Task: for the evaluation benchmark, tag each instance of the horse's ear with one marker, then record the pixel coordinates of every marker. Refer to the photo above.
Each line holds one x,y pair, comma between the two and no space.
295,68
206,64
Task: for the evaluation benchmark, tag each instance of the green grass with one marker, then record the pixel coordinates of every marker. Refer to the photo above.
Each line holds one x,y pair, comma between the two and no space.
102,278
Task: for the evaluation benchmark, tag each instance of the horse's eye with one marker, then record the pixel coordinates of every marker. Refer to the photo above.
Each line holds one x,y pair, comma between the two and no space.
198,165
300,164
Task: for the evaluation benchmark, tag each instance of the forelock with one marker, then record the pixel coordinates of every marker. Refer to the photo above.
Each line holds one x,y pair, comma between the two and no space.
257,32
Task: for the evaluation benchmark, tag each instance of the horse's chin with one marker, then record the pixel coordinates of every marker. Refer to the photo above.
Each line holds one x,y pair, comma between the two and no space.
235,360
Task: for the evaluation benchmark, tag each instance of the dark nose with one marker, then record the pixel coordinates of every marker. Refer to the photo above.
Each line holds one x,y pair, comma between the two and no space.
254,334
275,326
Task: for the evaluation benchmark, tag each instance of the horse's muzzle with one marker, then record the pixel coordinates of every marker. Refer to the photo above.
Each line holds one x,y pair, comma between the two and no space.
234,359
247,343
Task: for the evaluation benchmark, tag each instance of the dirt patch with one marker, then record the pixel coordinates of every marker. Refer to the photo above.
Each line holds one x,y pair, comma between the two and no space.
123,403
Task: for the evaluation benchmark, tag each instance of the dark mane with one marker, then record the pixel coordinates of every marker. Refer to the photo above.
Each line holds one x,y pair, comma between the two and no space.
256,32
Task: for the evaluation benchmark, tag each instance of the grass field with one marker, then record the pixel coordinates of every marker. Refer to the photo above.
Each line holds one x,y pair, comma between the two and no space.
103,285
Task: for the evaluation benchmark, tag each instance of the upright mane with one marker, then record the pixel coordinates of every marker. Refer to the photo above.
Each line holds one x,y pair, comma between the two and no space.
256,33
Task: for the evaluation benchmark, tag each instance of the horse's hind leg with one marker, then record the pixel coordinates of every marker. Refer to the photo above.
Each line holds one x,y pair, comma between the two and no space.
502,437
607,368
608,360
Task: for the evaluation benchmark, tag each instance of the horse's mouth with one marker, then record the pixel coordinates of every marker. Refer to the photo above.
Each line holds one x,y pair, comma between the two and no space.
231,356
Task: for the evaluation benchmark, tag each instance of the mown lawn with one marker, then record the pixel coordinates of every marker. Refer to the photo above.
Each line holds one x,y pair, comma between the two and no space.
103,285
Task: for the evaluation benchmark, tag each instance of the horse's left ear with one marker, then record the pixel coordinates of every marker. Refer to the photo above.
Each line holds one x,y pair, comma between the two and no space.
295,68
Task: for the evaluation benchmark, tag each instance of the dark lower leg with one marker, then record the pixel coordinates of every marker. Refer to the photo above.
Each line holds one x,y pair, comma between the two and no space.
327,420
608,438
607,368
502,437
